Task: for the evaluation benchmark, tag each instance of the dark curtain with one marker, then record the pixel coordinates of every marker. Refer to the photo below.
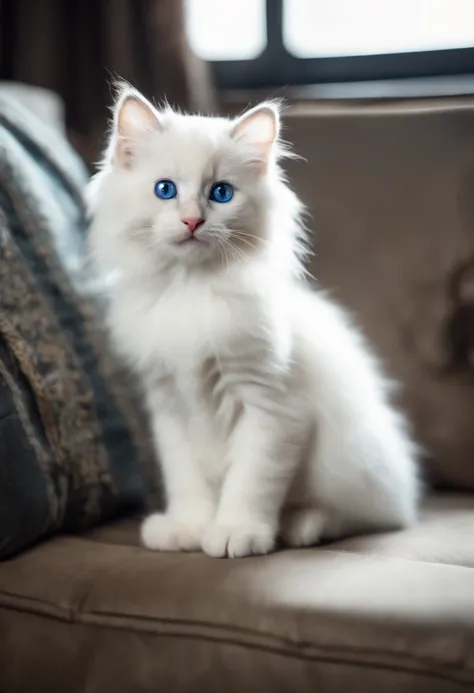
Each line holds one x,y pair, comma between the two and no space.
77,47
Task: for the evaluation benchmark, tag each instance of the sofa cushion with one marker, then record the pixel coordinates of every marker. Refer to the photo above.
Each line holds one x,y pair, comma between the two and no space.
388,613
68,455
390,189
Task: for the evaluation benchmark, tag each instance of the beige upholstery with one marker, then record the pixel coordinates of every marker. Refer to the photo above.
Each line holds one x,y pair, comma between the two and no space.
98,613
390,187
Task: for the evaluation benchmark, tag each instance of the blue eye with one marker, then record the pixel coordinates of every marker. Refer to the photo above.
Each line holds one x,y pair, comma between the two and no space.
221,192
165,189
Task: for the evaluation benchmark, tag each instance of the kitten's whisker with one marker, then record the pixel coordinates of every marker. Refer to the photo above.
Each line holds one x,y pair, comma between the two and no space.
232,250
236,252
244,240
222,250
242,235
250,235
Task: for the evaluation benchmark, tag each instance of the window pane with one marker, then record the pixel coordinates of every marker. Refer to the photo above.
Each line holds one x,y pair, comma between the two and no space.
325,28
220,30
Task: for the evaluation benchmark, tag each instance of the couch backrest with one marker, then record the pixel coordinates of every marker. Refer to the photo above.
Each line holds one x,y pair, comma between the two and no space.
390,187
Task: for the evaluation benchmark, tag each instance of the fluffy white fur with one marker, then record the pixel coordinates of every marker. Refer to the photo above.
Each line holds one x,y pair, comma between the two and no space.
270,414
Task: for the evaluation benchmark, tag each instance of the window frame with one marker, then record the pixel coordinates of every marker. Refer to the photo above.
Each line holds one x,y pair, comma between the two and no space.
275,66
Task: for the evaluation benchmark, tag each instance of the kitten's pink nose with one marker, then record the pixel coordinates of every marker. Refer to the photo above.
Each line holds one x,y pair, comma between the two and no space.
192,222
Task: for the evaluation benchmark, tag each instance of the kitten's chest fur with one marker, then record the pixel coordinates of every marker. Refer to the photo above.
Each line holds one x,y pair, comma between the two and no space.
190,344
183,328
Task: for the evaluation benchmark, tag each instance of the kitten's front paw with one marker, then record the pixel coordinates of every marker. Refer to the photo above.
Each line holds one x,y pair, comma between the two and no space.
237,541
161,532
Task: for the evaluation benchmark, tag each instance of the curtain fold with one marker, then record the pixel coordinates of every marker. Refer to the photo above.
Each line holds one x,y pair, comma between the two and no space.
78,47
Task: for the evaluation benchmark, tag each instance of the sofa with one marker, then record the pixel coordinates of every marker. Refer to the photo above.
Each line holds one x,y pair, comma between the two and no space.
390,189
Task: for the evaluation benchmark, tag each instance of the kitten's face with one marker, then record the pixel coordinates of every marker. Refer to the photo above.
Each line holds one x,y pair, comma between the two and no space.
188,189
193,194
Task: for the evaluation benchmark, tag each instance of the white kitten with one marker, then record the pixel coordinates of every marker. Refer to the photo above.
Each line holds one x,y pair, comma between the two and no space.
270,414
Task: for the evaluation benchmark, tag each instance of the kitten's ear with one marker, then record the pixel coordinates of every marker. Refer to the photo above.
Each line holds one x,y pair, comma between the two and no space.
259,128
134,119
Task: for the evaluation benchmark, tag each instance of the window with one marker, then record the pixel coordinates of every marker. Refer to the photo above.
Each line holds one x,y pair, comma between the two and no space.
331,28
274,43
222,30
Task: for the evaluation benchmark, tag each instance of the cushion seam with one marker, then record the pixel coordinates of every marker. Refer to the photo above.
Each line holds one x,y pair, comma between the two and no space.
93,619
336,657
441,564
333,655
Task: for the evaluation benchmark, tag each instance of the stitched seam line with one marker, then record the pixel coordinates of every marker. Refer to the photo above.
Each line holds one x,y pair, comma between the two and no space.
327,655
103,619
398,558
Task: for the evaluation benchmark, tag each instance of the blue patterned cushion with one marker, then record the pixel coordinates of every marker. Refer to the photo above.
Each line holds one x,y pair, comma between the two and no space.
68,456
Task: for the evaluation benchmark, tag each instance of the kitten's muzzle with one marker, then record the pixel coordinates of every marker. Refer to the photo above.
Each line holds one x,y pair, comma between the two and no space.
192,223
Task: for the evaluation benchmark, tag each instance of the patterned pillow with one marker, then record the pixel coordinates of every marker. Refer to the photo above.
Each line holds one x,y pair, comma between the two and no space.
68,425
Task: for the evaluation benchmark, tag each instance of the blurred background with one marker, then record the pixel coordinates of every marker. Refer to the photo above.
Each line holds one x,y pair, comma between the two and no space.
211,55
